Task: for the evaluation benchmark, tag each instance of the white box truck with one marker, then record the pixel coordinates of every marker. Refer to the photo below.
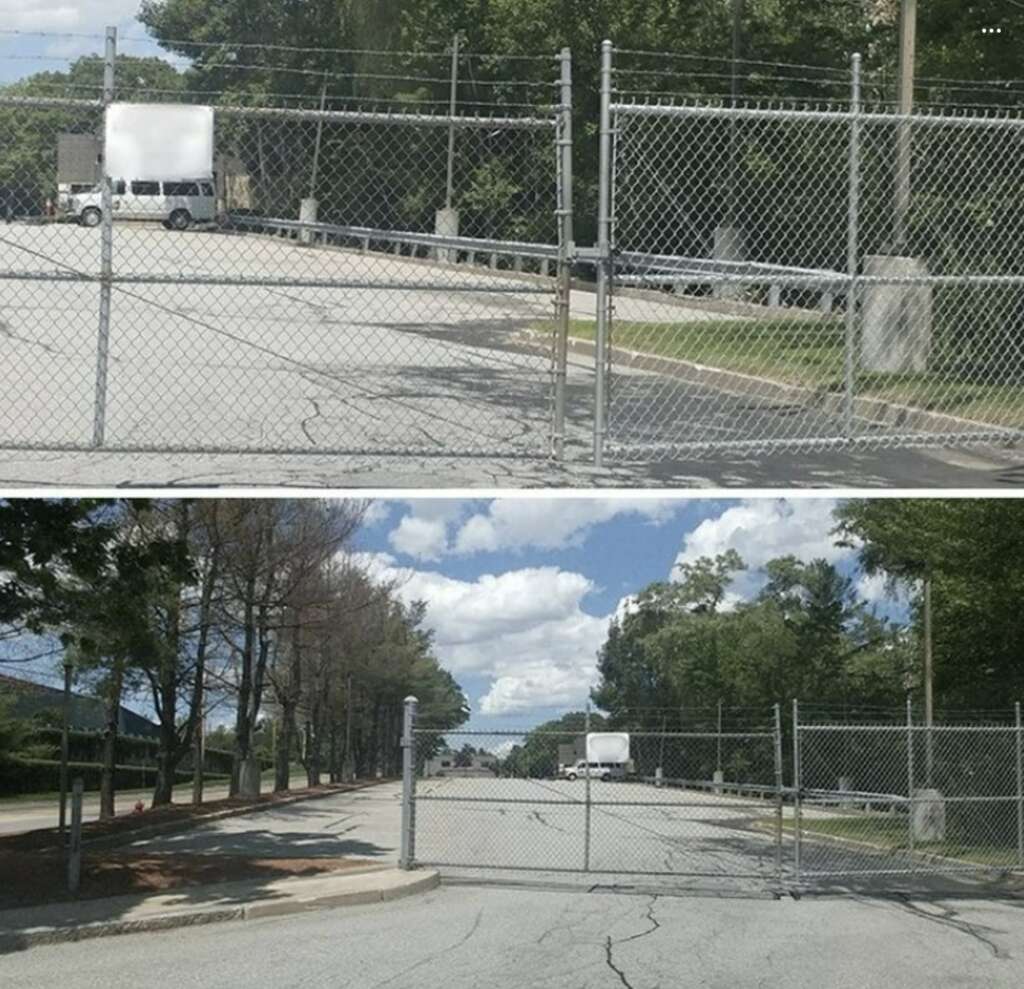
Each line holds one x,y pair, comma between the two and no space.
607,758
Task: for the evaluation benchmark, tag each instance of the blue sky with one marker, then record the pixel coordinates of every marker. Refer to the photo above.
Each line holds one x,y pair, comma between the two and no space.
520,591
73,28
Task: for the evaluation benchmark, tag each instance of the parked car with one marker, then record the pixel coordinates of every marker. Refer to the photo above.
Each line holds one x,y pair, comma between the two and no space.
595,770
176,204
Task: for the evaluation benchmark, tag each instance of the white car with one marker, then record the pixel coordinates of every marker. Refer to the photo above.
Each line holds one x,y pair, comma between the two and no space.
595,770
176,204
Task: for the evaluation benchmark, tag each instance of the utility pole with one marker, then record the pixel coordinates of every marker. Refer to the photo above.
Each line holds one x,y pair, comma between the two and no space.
348,770
453,105
905,99
319,138
65,727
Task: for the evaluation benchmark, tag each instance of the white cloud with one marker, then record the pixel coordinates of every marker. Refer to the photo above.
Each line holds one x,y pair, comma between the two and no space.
872,589
84,16
433,529
525,630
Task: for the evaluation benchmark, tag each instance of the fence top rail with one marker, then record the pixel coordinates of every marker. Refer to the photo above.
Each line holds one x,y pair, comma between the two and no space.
393,118
1008,729
710,734
686,265
836,116
48,103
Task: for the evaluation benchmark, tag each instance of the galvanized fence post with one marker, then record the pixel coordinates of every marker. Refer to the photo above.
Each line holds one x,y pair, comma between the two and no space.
797,786
586,810
910,780
604,252
1020,786
853,250
99,422
566,249
407,856
778,788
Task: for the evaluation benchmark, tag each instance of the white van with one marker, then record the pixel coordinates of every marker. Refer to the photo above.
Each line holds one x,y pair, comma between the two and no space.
595,770
176,204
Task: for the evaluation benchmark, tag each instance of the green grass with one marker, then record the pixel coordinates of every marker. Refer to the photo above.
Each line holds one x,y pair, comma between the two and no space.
889,834
809,353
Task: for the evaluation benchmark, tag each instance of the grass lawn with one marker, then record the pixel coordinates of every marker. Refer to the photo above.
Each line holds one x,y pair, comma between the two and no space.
809,353
889,834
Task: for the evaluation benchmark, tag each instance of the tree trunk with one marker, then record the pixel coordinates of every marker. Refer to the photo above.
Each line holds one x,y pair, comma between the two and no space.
166,764
283,751
109,762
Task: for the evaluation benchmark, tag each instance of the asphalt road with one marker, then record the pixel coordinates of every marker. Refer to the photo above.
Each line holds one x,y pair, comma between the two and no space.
466,938
379,384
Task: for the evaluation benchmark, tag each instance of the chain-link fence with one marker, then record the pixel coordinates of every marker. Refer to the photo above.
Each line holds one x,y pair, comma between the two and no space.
777,802
905,799
344,278
679,804
785,275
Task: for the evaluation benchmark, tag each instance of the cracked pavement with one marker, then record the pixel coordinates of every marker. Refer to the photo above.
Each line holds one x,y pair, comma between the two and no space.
469,937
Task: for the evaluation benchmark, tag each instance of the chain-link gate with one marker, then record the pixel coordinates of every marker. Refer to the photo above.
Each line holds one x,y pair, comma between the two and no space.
779,277
904,800
377,282
686,804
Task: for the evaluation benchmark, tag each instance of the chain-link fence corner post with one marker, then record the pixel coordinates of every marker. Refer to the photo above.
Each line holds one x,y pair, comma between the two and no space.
604,253
586,791
566,249
99,422
853,250
1019,736
777,711
407,857
910,780
797,789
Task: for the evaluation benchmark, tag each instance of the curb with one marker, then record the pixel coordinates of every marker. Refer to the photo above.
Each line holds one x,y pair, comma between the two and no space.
256,910
879,411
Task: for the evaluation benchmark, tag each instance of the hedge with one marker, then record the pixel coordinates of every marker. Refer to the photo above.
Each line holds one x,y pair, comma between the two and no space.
18,776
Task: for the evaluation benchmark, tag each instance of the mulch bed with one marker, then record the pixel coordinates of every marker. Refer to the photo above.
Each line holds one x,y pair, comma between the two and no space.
38,878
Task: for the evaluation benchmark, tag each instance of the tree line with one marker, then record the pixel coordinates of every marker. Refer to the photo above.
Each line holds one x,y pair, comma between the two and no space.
261,609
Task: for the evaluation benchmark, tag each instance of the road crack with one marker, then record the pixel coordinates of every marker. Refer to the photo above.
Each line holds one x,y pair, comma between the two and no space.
950,918
611,944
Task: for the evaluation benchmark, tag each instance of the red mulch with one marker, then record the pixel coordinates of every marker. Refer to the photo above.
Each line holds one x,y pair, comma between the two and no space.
39,877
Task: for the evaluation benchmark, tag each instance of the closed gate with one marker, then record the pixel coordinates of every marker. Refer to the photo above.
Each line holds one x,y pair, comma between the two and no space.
689,804
380,280
783,276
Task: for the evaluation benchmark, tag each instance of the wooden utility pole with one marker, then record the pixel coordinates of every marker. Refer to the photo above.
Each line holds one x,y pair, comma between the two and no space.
904,148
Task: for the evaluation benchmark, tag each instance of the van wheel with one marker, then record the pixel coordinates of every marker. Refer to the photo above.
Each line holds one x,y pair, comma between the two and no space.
180,219
91,217
570,776
605,777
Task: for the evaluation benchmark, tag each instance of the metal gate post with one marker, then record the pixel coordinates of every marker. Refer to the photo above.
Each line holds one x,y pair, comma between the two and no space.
853,250
778,791
586,812
407,856
910,781
1020,786
99,420
797,788
604,251
566,250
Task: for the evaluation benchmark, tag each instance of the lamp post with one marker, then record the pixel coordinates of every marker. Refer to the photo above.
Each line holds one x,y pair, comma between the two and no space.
69,670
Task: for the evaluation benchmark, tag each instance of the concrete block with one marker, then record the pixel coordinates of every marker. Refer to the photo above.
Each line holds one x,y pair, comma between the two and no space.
896,319
308,211
446,224
730,245
928,816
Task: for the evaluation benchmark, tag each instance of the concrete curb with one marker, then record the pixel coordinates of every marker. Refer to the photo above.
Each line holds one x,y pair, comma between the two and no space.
171,827
382,892
879,411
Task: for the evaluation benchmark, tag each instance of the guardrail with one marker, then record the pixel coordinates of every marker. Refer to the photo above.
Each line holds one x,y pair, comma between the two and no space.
676,272
520,256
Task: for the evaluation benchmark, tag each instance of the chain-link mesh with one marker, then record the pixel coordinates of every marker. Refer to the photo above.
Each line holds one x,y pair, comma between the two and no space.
888,800
683,804
813,278
350,281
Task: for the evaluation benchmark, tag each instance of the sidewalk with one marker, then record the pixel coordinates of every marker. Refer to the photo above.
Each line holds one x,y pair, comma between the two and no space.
246,900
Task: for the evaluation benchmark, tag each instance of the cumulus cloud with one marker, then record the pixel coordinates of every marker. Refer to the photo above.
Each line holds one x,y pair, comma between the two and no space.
429,532
525,630
85,16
